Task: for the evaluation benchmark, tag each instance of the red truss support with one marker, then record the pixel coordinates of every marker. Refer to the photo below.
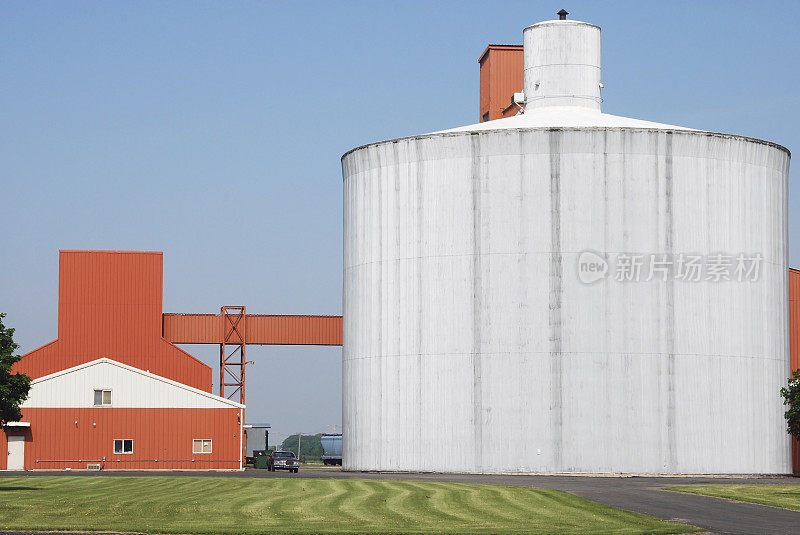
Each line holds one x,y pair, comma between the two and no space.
232,360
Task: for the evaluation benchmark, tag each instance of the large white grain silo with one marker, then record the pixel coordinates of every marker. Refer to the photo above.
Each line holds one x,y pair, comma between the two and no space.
565,290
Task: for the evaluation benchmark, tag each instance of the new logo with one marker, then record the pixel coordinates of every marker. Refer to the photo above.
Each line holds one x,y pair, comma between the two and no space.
591,267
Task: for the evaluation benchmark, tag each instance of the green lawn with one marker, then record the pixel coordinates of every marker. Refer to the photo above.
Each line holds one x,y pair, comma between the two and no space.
786,496
283,505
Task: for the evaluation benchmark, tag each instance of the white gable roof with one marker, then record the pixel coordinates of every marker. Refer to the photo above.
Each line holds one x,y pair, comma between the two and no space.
130,388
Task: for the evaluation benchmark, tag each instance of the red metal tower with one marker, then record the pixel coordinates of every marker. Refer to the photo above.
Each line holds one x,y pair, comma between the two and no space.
232,362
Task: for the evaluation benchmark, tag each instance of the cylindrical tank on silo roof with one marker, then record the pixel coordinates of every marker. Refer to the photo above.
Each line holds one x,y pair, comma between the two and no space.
562,64
565,291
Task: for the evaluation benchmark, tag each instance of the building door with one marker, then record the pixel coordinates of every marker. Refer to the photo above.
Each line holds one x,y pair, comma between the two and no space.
16,452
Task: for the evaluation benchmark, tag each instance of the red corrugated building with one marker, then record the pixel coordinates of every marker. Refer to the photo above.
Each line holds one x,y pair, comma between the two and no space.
501,77
110,390
794,346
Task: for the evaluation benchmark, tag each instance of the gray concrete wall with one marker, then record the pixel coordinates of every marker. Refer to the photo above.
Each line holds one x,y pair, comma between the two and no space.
472,345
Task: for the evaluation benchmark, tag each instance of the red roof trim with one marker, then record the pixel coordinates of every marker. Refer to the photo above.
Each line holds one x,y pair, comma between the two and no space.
498,47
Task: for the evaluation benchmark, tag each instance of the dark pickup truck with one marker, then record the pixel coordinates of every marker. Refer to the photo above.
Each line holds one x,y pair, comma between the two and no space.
283,460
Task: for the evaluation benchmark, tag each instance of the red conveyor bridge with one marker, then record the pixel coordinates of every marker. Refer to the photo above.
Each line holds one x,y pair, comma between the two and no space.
233,330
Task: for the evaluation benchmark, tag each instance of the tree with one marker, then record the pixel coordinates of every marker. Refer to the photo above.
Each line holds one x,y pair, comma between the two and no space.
13,387
310,444
791,397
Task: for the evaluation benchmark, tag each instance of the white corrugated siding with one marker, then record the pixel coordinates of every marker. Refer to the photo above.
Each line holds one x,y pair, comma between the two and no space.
471,345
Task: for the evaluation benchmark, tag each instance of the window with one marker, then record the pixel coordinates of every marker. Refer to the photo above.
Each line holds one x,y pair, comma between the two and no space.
485,117
123,445
102,397
201,445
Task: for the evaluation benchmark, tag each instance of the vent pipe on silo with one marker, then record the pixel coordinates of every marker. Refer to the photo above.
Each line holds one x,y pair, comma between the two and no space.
562,64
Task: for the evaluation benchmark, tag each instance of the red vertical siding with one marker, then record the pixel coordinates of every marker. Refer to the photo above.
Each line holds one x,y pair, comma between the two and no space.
502,75
162,438
794,346
261,329
110,305
294,330
485,63
192,328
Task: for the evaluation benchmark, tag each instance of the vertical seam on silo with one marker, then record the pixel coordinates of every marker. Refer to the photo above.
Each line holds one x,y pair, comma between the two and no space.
625,340
382,391
555,298
522,382
671,431
664,346
607,312
401,393
420,227
477,304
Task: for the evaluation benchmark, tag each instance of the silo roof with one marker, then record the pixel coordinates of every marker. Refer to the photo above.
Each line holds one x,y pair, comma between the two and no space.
564,117
567,117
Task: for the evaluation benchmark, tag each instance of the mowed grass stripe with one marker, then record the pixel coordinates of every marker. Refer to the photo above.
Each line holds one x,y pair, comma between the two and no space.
357,505
784,496
399,501
216,505
490,504
336,501
435,501
447,497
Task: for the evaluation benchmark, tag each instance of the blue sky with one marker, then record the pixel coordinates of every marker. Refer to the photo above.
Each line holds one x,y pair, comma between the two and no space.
213,132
